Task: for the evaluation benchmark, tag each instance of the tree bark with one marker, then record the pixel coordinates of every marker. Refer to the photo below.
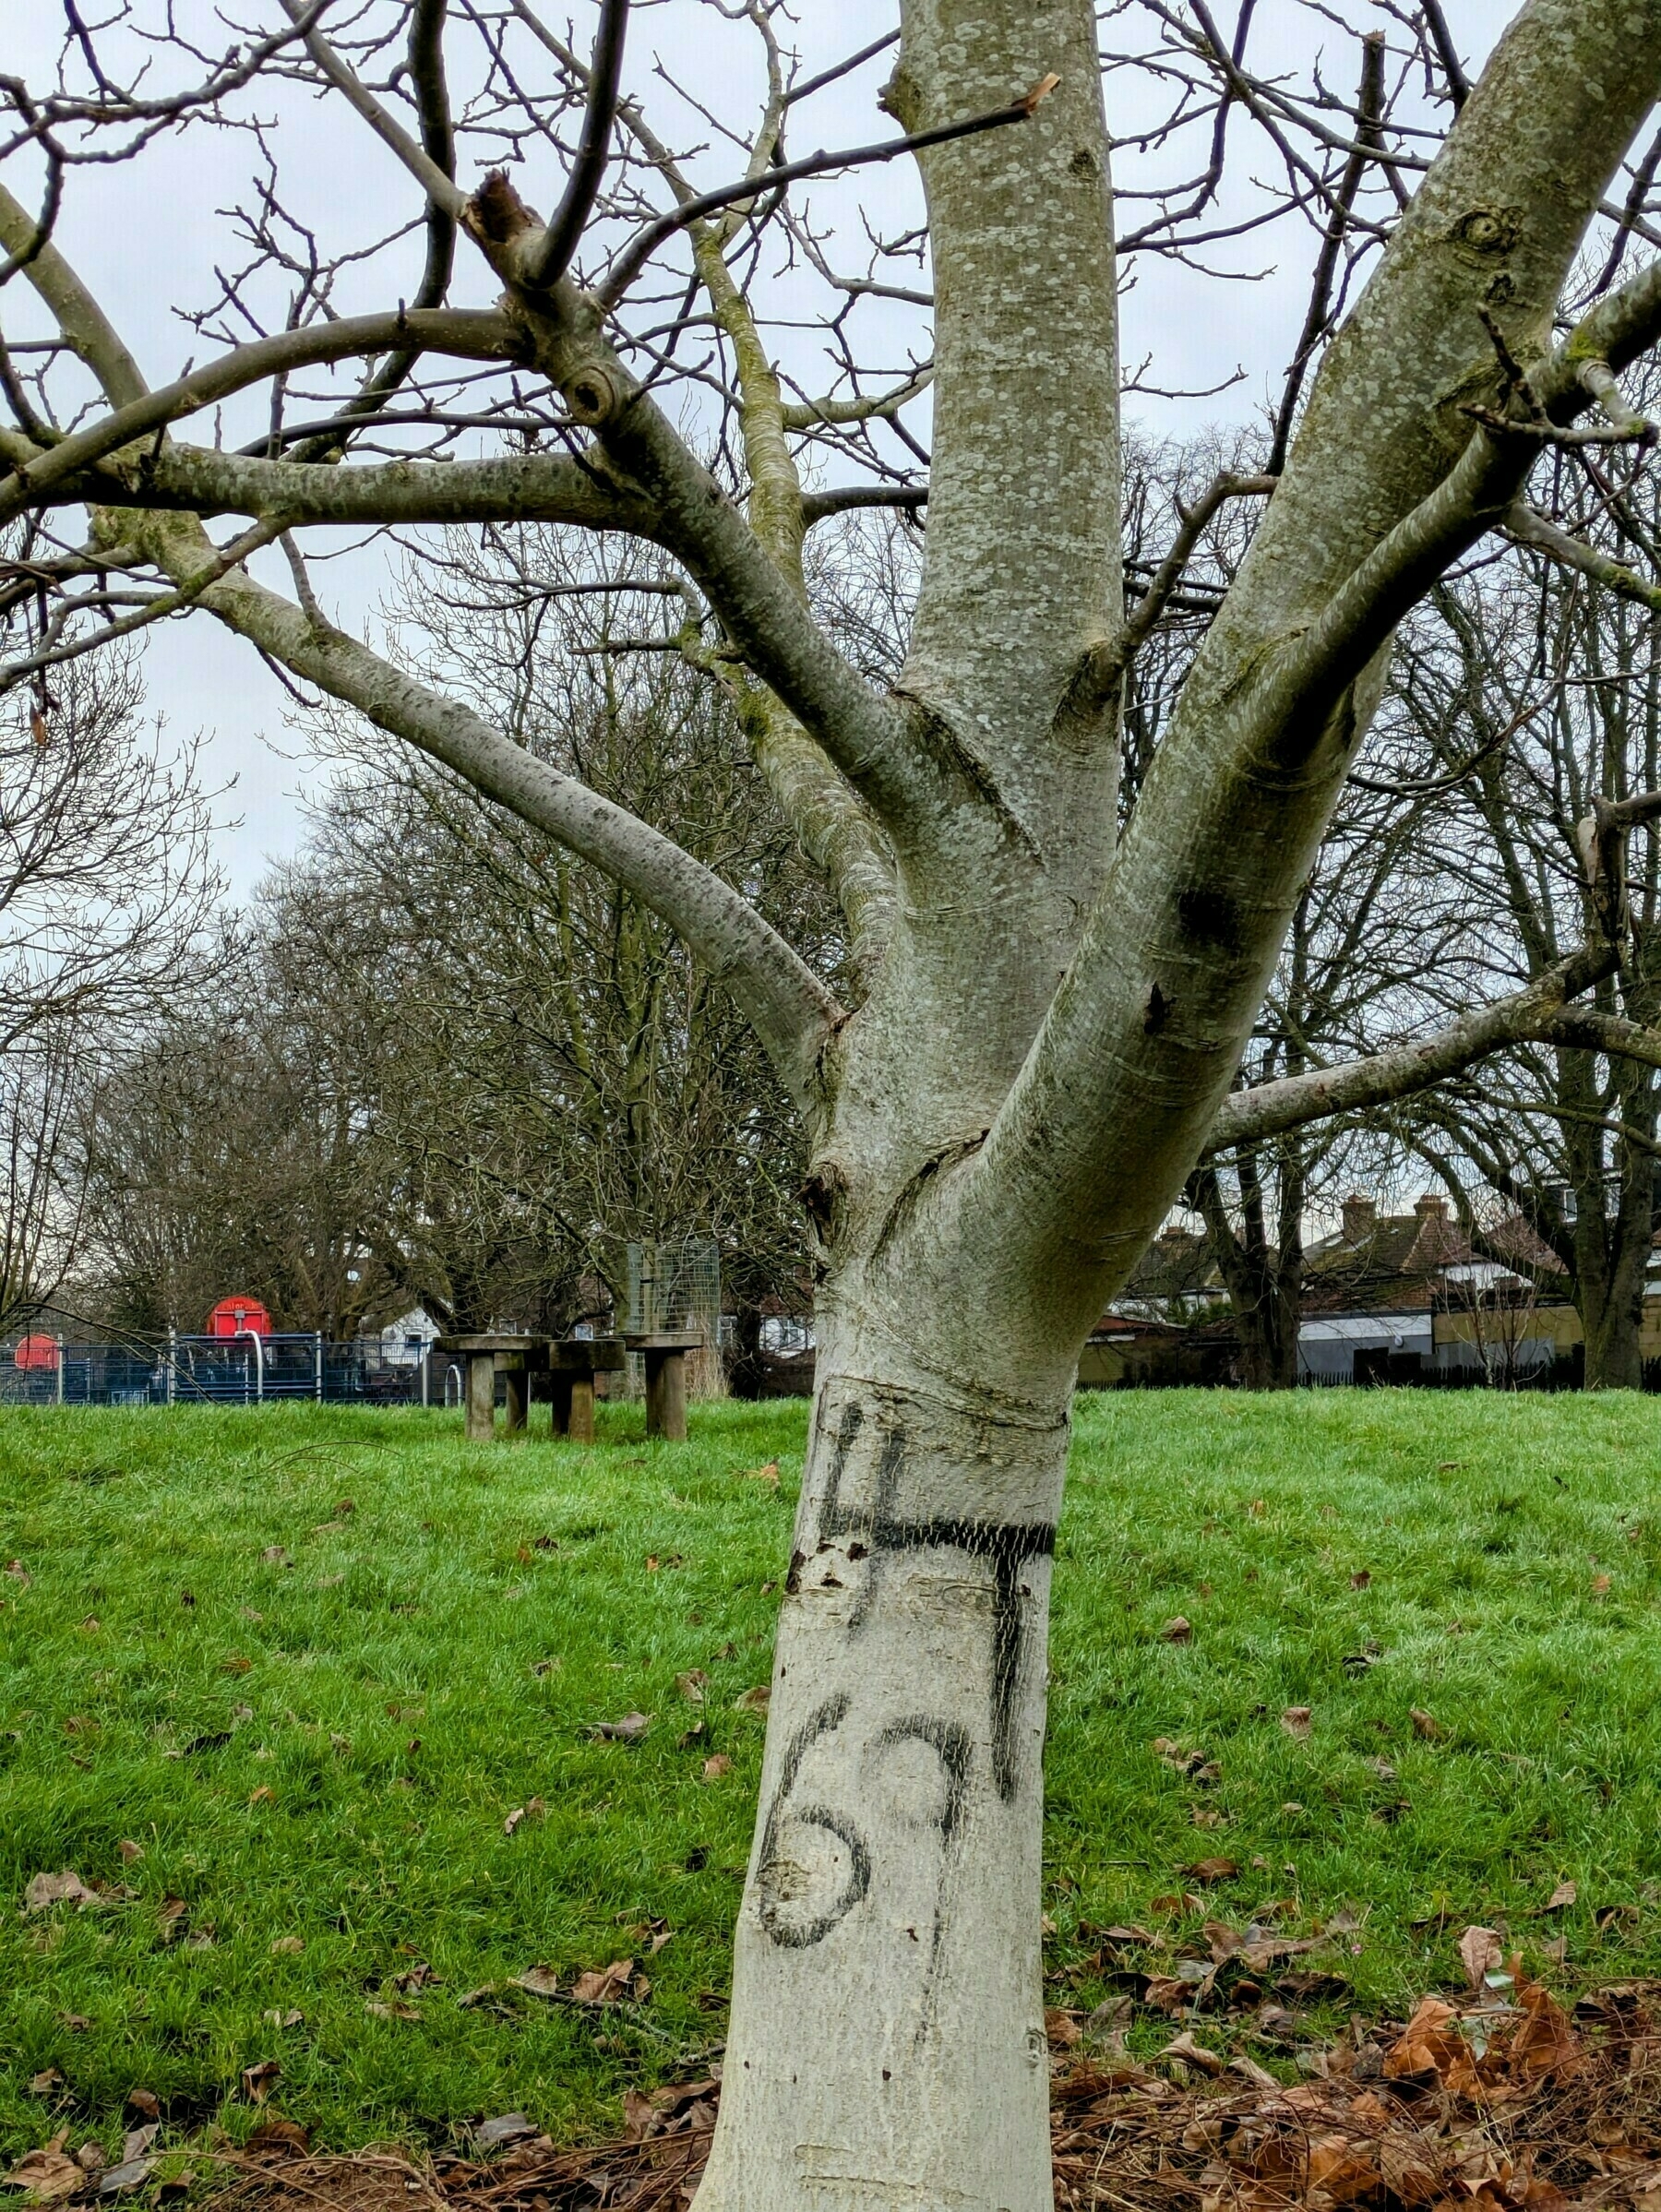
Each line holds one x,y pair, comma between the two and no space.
887,2043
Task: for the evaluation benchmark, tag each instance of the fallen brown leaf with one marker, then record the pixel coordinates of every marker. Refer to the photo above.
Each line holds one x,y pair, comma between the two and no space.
1545,2043
1212,1870
605,1985
1194,2053
277,2138
45,2082
1561,1897
692,1685
257,2082
1179,1630
287,1946
508,2127
537,1981
1296,1721
1431,2044
754,1701
627,1731
714,1769
1425,1724
1482,1953
1361,1579
47,2174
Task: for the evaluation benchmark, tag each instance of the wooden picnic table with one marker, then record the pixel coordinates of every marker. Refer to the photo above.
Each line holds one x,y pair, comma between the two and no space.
664,1352
487,1356
573,1363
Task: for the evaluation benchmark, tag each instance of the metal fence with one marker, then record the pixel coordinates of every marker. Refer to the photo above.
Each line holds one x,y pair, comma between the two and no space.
216,1370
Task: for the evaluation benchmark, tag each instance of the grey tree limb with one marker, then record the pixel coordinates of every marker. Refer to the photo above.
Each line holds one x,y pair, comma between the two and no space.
1534,1014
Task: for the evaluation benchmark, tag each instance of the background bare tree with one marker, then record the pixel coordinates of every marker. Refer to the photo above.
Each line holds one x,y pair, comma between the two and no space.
106,885
1531,693
446,1064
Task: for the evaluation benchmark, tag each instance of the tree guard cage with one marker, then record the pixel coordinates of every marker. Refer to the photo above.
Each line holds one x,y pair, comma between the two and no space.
674,1283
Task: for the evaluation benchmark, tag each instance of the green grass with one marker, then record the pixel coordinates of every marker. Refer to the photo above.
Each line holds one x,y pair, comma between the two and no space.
423,1667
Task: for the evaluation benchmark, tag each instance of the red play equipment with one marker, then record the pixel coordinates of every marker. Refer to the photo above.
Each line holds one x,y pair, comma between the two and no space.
238,1317
36,1351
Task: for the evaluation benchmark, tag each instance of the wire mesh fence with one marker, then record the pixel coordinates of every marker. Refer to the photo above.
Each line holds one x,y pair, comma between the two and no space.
215,1371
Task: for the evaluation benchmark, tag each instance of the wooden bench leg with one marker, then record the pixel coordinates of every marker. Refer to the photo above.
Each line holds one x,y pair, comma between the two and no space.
559,1394
581,1427
667,1396
481,1394
519,1384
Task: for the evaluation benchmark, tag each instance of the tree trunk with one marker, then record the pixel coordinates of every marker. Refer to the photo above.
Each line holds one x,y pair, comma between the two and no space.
887,2043
1611,1325
1268,1360
1610,1287
1264,1282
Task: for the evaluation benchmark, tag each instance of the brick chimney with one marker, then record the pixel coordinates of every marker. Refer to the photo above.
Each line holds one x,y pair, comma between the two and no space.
1431,1207
1360,1219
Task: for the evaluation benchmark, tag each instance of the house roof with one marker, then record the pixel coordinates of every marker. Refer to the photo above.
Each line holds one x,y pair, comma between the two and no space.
1379,1259
1179,1264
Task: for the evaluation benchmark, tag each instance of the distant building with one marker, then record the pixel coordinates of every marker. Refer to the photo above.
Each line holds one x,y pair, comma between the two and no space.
407,1341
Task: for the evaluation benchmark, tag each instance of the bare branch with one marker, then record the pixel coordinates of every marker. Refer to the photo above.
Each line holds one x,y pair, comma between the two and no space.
1369,110
442,190
13,672
560,239
472,334
792,1012
1271,1109
1529,526
634,257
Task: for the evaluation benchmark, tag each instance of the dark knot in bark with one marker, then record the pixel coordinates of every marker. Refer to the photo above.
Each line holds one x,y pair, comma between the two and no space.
594,395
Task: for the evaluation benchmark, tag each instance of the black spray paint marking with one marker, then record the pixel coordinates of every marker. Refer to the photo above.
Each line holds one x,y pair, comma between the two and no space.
955,1751
1007,1545
794,1935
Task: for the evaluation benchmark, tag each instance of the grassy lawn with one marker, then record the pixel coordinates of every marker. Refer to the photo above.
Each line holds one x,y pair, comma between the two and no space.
314,1721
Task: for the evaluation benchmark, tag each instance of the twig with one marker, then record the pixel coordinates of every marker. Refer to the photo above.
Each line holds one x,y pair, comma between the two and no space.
635,256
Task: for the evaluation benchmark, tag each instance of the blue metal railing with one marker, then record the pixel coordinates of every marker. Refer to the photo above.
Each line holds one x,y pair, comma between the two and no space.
207,1370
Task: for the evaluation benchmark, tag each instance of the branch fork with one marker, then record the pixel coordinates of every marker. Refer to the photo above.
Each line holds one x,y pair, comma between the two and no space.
1624,425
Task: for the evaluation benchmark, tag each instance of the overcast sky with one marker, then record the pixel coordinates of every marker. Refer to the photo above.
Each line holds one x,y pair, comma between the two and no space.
200,678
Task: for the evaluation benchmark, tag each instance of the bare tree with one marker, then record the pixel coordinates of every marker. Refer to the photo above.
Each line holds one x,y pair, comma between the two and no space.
1045,1015
106,882
446,1063
1532,692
